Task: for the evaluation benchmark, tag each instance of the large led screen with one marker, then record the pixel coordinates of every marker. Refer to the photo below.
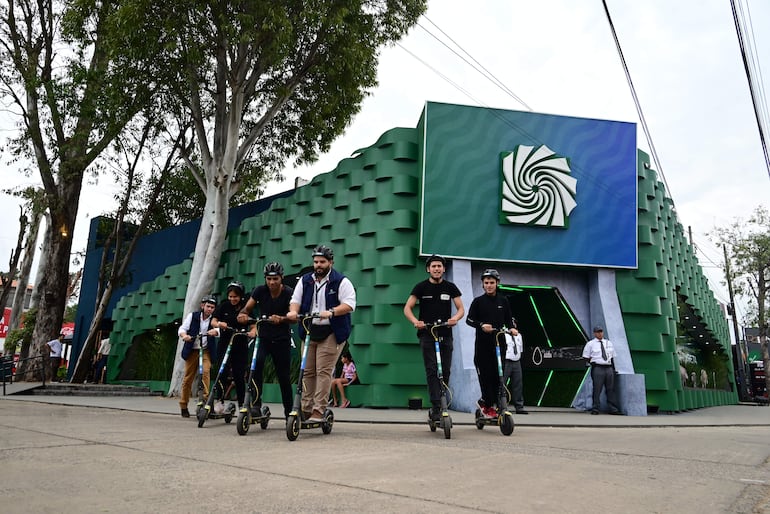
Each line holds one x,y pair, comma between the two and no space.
525,187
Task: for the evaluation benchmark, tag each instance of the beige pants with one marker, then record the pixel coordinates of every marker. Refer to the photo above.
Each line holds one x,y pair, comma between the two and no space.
321,358
190,369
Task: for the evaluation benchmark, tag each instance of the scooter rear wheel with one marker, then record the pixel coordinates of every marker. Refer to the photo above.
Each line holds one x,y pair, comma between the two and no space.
479,422
265,418
447,422
292,428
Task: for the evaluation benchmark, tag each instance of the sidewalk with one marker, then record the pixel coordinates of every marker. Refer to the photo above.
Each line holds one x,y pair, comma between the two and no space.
729,415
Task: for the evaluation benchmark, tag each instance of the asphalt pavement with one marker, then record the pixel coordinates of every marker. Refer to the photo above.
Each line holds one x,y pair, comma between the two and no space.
135,454
729,415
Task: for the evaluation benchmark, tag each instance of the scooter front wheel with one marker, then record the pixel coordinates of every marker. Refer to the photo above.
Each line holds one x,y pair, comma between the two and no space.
203,413
506,423
243,423
326,428
292,428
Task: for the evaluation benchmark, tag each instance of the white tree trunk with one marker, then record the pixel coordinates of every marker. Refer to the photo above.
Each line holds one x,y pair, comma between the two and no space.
40,268
208,250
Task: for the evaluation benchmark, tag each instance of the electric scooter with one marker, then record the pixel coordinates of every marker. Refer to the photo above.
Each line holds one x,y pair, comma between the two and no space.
445,420
250,414
296,420
207,410
201,392
504,417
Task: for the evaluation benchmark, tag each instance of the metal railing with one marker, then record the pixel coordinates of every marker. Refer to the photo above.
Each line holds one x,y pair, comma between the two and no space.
7,365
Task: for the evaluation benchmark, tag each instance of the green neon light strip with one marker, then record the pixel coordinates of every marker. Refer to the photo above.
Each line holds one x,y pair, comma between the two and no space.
542,394
536,287
580,387
540,320
509,288
569,313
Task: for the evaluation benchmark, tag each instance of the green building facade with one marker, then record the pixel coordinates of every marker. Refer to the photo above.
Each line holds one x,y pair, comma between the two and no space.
368,209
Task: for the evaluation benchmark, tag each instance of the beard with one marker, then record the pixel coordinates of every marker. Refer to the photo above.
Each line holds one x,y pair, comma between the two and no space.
321,273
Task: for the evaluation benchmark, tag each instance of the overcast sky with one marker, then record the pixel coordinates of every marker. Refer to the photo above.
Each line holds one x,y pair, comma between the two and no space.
559,57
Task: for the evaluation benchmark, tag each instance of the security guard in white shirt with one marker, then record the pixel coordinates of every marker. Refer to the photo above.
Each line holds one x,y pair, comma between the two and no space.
599,352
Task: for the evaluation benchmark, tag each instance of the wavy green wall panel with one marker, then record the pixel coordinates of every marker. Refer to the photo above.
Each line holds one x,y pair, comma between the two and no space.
368,210
649,306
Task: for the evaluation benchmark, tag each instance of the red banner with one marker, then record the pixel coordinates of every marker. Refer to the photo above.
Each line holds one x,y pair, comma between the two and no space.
5,322
68,329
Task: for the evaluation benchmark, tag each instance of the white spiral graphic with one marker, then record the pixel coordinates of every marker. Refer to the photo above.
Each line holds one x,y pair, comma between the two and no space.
537,187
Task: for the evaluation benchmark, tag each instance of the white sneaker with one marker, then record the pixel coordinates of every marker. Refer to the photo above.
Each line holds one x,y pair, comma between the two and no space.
219,407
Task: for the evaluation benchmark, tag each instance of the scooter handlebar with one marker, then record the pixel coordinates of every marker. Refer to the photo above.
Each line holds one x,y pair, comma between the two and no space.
305,318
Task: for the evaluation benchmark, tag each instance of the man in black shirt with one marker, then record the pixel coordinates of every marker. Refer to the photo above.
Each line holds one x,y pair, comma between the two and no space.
435,297
274,336
489,313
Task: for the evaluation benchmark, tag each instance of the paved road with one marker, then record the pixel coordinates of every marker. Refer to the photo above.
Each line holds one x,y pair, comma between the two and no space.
65,458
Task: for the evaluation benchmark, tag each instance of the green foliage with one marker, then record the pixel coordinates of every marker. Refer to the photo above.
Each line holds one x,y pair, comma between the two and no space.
748,244
70,312
182,200
22,335
154,354
291,74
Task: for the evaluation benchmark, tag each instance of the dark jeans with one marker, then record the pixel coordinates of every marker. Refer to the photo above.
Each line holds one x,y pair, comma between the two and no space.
431,365
603,377
239,355
280,351
485,360
55,363
513,372
100,364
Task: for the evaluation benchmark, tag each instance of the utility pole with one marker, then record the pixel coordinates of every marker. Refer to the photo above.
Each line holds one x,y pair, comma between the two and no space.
741,356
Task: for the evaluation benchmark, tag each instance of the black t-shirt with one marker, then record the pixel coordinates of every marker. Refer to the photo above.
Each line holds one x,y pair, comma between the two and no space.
228,313
435,301
494,310
267,306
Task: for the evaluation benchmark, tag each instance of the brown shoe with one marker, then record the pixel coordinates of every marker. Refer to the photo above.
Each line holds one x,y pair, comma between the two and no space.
185,413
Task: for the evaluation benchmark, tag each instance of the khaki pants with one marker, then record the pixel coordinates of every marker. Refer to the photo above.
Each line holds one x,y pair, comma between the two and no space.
190,369
321,358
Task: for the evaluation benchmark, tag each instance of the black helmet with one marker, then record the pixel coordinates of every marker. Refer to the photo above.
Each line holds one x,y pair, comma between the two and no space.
491,273
323,251
209,299
273,269
237,287
435,257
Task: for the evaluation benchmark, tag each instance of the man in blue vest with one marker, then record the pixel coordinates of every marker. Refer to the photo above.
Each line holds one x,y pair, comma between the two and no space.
197,323
329,293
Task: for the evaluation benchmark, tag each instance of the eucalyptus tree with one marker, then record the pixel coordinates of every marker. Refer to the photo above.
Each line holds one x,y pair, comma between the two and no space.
266,83
34,208
748,244
76,72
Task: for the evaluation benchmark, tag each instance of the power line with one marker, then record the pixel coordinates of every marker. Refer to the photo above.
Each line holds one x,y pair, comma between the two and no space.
642,119
752,92
444,77
483,71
